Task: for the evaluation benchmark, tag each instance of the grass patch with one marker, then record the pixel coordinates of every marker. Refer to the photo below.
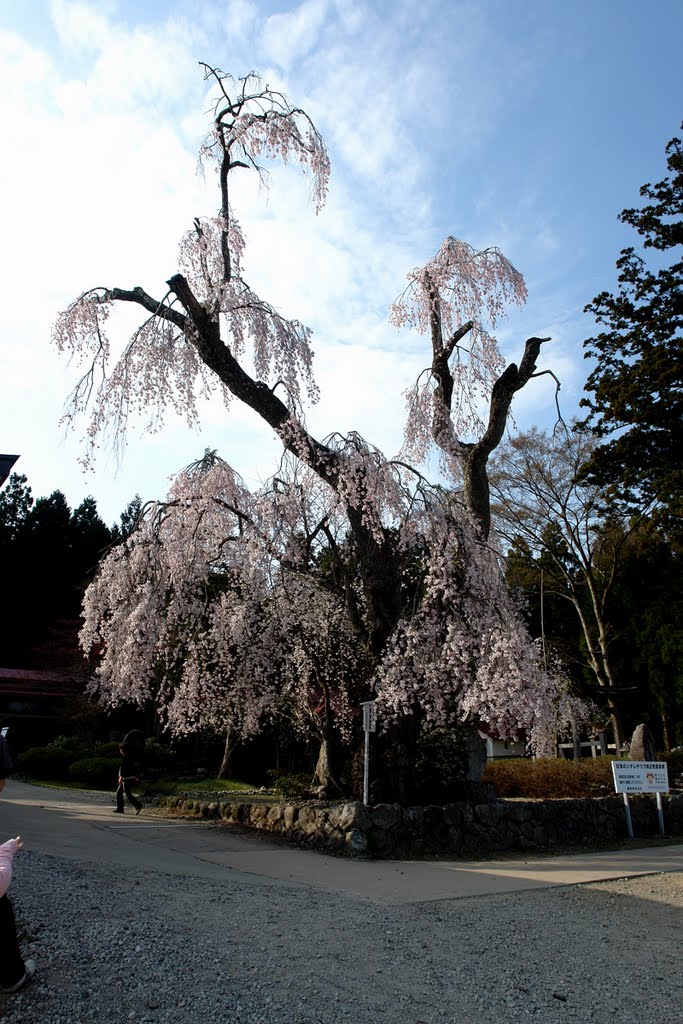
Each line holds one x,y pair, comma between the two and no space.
176,787
152,787
67,784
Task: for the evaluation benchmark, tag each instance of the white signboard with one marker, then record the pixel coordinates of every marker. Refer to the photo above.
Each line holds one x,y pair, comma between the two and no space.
369,716
640,776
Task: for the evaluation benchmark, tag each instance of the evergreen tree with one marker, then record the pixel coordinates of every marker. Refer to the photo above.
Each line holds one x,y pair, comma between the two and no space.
636,388
16,501
48,556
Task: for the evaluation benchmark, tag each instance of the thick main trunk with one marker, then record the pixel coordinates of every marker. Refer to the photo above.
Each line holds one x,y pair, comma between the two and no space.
476,487
380,573
474,456
323,767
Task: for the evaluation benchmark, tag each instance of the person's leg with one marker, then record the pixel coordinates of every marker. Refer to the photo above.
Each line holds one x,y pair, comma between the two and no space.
12,967
119,798
129,793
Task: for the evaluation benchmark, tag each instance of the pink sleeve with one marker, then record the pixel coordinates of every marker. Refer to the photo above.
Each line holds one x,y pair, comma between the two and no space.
7,851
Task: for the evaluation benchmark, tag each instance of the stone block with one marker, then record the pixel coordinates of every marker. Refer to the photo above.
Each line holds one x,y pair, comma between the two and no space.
454,840
356,842
643,746
482,814
354,816
291,813
276,815
257,814
452,814
540,836
307,820
412,820
385,816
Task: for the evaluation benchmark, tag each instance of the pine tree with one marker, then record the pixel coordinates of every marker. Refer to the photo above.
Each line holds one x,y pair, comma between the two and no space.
636,388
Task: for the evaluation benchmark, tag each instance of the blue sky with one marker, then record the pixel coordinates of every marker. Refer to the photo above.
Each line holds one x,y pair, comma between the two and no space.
523,124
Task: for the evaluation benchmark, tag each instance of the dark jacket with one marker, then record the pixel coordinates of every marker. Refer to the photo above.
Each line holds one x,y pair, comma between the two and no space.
130,766
6,766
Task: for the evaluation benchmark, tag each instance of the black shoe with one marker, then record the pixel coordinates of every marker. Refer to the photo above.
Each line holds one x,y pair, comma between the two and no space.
138,809
29,971
117,811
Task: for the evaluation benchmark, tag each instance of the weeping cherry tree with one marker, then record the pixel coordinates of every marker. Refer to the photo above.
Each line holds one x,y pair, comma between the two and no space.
219,605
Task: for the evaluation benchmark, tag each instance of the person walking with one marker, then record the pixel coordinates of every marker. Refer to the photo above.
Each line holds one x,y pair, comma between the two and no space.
14,970
127,777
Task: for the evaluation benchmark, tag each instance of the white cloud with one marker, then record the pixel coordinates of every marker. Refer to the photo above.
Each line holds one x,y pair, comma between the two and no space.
80,26
289,37
415,101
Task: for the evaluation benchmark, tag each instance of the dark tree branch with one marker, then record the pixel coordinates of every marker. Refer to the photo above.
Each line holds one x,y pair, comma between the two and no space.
475,456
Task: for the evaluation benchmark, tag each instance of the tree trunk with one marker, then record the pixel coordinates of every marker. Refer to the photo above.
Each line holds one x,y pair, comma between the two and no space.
231,741
323,770
665,732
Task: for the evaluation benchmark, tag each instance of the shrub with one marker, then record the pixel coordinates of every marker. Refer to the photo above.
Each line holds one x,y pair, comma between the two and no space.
674,760
49,763
101,772
550,778
158,758
293,786
110,750
69,743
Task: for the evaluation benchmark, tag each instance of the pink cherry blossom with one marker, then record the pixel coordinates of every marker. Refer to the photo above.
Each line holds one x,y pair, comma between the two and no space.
347,575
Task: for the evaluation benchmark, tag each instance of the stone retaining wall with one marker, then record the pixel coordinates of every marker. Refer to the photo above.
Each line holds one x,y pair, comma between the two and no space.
463,829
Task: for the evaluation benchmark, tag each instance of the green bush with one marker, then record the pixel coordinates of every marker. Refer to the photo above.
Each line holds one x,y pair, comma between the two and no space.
100,772
73,744
291,786
158,758
109,749
674,761
548,778
48,763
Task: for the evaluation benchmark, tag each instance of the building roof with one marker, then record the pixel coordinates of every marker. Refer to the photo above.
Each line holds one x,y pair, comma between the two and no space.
6,463
24,682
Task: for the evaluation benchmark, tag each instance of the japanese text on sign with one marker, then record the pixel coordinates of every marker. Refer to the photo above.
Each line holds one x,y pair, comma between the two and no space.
640,776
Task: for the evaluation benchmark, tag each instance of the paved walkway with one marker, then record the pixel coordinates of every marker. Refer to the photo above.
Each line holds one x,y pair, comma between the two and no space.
72,824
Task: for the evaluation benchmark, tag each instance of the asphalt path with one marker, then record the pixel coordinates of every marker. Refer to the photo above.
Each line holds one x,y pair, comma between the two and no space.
71,824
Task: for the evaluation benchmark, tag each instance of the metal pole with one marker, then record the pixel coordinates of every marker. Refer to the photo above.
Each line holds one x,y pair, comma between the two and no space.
366,766
629,821
660,812
545,659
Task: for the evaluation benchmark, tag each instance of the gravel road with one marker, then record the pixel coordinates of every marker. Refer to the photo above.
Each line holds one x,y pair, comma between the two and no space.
113,947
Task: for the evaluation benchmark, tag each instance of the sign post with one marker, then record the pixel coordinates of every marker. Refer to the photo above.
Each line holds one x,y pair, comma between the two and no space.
369,725
641,777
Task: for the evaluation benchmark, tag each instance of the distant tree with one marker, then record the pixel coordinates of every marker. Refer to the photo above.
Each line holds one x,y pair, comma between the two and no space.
646,612
90,538
130,516
16,501
48,555
530,573
635,391
541,501
127,520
